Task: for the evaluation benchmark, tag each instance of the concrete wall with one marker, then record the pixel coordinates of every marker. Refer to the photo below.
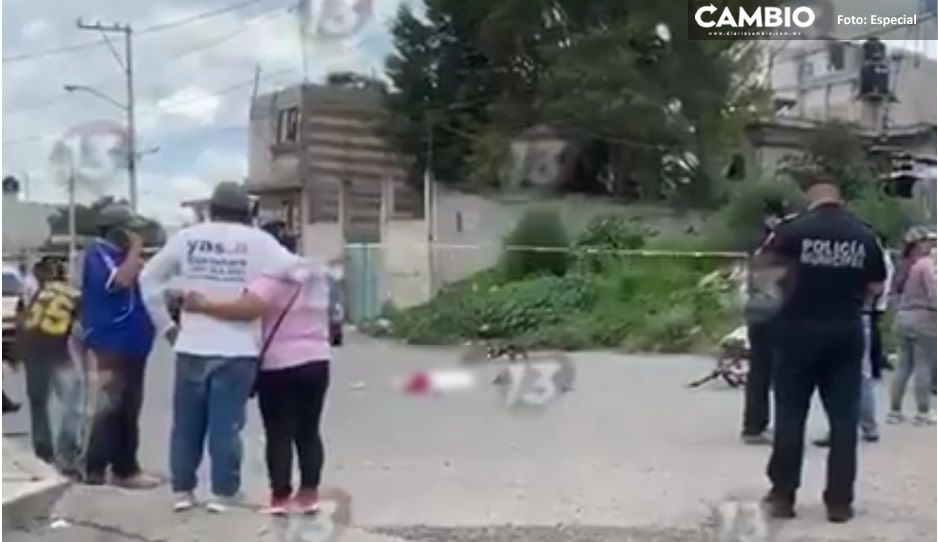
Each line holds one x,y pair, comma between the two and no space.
916,86
468,233
25,224
802,71
267,169
323,240
406,263
469,228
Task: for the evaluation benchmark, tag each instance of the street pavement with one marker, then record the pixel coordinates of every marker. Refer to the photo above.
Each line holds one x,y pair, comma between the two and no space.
630,454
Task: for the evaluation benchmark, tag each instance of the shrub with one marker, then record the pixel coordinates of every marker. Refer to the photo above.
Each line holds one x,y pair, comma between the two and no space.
539,228
837,150
670,330
643,303
605,234
890,216
510,310
738,224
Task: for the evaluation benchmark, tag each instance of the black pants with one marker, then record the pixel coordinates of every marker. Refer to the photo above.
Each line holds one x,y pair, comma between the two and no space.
876,342
759,381
291,402
826,356
115,393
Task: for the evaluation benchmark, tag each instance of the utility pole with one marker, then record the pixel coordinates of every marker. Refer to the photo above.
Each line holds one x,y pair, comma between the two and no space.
72,219
257,84
128,66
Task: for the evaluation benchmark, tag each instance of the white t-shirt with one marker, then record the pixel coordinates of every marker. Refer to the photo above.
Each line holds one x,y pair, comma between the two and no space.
216,259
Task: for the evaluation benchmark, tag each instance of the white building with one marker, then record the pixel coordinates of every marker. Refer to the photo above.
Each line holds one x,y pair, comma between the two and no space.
25,223
821,82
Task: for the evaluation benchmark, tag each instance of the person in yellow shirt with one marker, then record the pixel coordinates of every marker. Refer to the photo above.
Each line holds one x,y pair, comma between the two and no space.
46,327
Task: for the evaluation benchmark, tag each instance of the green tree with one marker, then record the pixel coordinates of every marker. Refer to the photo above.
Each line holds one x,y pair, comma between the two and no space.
442,85
619,76
657,97
537,245
837,150
85,221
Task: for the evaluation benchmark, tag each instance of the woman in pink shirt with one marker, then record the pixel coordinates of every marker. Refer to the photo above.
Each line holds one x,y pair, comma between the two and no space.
294,374
915,327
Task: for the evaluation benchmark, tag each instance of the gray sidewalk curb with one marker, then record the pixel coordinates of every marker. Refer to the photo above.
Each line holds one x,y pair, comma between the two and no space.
25,501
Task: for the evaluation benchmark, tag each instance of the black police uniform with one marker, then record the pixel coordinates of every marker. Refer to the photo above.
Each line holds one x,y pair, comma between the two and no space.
756,411
831,259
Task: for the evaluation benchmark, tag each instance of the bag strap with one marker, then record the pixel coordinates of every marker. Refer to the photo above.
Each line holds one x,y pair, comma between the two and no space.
273,330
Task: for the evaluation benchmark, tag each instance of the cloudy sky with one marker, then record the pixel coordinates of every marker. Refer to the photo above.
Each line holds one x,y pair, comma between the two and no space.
194,76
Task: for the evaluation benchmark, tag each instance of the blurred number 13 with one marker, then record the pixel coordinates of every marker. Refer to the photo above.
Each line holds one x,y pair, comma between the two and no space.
541,390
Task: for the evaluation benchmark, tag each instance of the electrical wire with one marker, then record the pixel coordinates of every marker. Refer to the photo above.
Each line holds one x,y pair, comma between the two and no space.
161,106
256,21
198,17
248,25
144,31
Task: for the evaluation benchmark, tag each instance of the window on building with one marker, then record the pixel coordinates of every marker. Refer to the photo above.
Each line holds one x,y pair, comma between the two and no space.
835,56
288,125
807,69
736,170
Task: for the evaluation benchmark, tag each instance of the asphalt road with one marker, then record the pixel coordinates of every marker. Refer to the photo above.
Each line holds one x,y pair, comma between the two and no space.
630,454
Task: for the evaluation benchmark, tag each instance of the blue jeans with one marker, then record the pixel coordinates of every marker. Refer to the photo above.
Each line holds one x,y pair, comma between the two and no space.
209,399
868,425
45,377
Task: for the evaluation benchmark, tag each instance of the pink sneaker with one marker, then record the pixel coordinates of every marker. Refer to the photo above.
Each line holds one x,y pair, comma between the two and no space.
306,501
278,506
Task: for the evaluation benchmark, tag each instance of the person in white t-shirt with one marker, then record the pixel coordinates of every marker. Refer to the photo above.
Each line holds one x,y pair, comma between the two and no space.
880,306
216,360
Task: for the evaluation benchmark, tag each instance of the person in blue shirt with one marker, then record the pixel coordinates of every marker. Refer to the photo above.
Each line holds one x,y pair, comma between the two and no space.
118,334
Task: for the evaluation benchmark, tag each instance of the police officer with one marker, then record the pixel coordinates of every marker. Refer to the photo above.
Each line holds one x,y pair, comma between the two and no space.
759,312
832,265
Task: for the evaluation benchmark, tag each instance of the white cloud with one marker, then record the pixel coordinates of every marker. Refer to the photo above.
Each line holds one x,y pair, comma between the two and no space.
222,165
36,30
192,102
188,187
193,85
162,197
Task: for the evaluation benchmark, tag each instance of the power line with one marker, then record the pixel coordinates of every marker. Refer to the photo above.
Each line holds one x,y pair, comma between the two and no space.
53,51
160,106
148,30
199,17
256,21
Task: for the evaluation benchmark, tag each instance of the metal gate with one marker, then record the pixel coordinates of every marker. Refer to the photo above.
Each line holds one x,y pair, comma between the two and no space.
363,265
